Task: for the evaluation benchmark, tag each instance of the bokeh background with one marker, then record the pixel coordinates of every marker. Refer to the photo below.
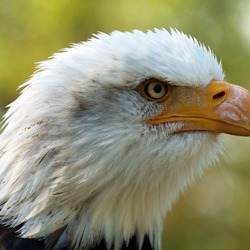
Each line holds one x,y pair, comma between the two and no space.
215,213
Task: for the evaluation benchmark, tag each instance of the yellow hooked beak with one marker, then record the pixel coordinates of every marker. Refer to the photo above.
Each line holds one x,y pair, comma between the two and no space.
220,107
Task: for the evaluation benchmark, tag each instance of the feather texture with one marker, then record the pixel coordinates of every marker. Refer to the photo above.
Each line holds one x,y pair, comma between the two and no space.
76,155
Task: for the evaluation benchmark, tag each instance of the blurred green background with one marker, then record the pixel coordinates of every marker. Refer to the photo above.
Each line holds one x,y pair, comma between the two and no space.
215,213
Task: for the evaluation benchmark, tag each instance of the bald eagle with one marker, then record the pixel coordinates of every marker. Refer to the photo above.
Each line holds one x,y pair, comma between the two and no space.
105,136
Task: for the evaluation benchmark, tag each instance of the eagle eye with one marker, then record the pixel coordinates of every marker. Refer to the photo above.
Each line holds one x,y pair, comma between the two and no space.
155,90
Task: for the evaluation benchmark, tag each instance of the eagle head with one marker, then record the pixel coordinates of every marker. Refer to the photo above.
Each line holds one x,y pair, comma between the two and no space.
106,134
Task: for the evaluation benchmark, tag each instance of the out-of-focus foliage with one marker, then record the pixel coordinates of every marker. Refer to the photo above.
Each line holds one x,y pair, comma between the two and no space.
215,213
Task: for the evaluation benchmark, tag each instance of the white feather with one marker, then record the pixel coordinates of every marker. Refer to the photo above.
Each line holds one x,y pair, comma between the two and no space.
76,151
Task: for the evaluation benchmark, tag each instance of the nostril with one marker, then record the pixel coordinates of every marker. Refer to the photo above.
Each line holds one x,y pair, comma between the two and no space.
219,95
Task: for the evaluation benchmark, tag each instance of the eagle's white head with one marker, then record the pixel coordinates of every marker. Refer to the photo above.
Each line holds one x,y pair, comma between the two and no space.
107,134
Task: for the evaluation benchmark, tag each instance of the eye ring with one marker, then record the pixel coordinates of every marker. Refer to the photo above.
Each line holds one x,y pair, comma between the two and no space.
155,90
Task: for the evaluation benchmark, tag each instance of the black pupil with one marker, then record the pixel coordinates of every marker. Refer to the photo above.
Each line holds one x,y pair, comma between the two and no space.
157,88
